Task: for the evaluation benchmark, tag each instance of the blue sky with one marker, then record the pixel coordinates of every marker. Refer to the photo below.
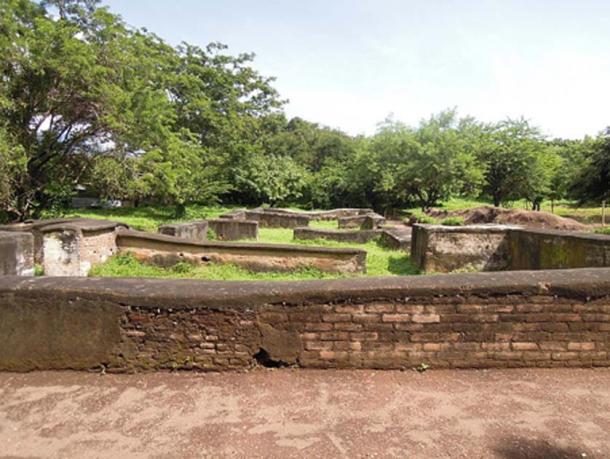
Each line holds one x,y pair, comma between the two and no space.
350,64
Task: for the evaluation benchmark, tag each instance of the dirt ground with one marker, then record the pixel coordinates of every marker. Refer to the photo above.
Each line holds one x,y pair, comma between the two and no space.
299,413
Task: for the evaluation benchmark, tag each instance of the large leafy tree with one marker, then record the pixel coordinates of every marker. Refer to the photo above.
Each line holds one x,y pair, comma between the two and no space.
593,180
511,153
76,83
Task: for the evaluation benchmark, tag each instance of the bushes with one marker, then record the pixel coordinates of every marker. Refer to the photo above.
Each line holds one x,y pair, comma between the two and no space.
453,221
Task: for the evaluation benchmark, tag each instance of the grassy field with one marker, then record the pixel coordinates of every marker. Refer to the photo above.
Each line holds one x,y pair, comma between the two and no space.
588,215
380,261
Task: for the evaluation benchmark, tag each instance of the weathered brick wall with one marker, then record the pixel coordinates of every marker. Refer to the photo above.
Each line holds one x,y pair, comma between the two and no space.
481,320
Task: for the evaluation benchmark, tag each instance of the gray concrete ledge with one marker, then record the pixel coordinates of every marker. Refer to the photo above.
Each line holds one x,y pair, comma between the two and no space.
585,283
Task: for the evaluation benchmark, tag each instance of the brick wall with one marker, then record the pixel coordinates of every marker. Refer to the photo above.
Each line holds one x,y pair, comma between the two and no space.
481,320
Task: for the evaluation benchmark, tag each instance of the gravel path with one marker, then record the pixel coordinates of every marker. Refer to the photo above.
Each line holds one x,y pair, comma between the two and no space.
300,413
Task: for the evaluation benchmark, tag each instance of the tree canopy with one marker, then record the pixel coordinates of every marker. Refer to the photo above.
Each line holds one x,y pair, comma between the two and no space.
86,100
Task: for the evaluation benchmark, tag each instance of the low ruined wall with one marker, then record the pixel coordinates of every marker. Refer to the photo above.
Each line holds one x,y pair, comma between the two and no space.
71,249
193,231
37,227
437,248
549,249
16,254
478,320
167,251
332,214
500,247
277,219
367,221
359,237
233,229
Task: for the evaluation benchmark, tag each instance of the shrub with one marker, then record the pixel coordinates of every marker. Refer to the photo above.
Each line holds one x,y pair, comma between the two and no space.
453,221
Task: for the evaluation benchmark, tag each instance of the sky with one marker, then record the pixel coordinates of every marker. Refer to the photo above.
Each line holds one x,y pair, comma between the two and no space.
351,64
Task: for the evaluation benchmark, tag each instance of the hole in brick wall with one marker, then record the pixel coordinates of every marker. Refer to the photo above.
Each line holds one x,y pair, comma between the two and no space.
205,259
263,358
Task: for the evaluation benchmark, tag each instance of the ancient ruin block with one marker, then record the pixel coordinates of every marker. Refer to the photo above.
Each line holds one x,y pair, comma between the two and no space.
332,214
167,251
193,231
234,215
553,249
396,237
437,248
16,254
71,249
373,221
358,237
36,228
277,219
233,230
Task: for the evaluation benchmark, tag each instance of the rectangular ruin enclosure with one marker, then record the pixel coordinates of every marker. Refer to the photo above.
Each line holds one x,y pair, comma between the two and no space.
499,247
357,236
277,219
16,254
332,214
477,320
72,248
227,229
193,231
167,251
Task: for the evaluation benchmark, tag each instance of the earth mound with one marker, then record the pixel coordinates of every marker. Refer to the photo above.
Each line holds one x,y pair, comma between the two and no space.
526,218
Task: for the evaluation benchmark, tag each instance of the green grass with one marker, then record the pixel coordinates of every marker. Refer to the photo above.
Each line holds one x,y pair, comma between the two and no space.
146,218
569,209
380,261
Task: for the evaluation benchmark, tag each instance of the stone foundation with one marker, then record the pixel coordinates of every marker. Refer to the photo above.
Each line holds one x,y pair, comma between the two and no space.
71,249
233,230
193,231
368,221
277,219
358,236
36,228
167,251
437,248
501,247
16,254
479,320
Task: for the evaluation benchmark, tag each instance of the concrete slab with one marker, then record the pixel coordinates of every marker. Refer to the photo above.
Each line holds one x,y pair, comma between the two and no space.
507,414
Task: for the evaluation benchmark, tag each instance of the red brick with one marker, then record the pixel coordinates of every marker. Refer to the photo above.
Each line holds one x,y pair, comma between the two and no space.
347,326
318,326
364,336
348,308
409,308
426,318
574,346
524,346
334,336
366,317
318,345
379,307
395,318
336,317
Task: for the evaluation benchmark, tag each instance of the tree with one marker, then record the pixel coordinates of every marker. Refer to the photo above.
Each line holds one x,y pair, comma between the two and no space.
428,164
593,180
511,156
80,84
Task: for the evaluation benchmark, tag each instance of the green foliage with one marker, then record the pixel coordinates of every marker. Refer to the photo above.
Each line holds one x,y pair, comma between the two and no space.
452,221
593,180
511,151
87,100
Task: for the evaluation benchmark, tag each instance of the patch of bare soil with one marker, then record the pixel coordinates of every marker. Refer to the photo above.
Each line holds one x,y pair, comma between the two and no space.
526,218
